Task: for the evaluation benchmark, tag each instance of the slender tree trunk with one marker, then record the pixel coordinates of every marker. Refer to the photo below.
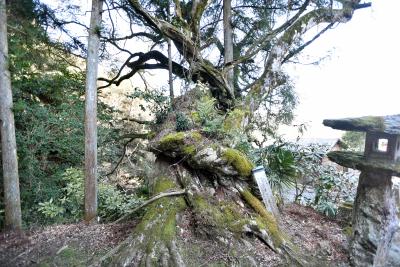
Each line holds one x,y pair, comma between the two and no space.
228,42
171,82
91,112
12,201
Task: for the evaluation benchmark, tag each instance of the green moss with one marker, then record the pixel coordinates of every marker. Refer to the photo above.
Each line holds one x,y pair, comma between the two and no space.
195,117
181,142
189,150
70,256
239,161
265,219
348,231
159,221
172,140
163,184
168,231
224,215
373,122
234,120
196,136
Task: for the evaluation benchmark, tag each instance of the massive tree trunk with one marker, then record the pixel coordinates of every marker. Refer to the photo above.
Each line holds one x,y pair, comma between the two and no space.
12,202
218,209
91,112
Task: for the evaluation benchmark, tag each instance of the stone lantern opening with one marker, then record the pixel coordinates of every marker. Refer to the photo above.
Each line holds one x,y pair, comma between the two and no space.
381,145
375,219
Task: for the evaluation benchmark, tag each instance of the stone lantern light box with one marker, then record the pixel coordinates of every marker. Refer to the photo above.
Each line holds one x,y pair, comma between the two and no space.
382,135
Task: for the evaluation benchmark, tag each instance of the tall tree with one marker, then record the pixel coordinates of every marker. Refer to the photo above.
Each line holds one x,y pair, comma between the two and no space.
91,112
228,42
170,79
8,144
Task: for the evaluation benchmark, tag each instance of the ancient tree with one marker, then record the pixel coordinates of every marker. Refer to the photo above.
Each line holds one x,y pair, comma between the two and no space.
205,175
91,112
7,127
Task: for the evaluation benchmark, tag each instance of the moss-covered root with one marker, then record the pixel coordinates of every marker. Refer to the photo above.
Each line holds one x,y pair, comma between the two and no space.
153,242
264,220
239,161
220,219
197,151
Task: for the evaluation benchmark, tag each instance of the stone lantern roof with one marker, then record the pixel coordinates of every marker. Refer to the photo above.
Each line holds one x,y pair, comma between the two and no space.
379,124
378,128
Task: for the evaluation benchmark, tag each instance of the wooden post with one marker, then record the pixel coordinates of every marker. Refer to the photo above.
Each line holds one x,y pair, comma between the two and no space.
91,112
12,201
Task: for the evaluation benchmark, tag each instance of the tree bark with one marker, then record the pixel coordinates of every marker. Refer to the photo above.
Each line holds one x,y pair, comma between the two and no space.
91,112
12,202
228,43
170,80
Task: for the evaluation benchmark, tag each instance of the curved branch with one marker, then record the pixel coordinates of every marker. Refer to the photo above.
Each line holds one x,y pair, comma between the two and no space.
301,48
151,200
183,43
113,80
140,64
154,38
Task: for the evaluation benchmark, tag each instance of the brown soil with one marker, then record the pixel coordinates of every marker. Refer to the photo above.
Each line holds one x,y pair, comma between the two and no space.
318,237
321,238
61,245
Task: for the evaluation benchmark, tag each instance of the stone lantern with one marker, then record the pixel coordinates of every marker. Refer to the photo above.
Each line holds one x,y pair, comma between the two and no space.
374,214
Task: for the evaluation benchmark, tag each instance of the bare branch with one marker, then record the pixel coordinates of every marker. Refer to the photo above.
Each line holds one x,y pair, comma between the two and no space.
151,200
138,121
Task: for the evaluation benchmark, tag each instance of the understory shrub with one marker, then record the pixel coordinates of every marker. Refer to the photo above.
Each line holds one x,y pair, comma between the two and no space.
112,203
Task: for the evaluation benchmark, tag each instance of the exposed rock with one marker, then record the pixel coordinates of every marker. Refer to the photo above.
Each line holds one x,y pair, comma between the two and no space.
324,247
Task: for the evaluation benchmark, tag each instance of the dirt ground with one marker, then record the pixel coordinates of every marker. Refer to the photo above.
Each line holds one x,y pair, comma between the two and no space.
321,238
77,244
61,245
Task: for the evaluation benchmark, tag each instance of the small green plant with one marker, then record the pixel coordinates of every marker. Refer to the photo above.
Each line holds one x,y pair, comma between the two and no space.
50,209
209,118
182,122
282,167
325,185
